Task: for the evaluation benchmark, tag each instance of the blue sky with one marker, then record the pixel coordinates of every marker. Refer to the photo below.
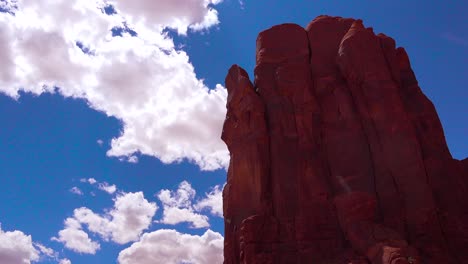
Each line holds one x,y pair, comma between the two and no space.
110,122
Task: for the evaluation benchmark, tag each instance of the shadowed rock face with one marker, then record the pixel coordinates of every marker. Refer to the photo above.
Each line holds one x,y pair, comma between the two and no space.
337,156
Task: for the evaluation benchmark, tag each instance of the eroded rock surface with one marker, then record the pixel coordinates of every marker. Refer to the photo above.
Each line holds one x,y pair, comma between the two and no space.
337,156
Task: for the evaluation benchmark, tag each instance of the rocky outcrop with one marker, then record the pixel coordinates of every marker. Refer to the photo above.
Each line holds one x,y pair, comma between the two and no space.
337,156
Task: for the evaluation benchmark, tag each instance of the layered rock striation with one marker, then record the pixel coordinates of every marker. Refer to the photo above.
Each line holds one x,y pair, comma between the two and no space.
337,156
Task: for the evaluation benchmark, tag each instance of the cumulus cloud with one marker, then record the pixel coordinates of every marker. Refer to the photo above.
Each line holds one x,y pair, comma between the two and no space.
170,246
76,191
74,238
125,222
177,14
124,65
178,207
17,247
213,201
104,186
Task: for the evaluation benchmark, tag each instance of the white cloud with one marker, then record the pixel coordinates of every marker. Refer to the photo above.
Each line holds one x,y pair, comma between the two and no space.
17,247
89,180
94,222
170,246
76,191
178,207
182,197
213,202
174,215
100,142
45,250
65,261
74,238
125,222
145,81
104,186
131,215
176,14
133,159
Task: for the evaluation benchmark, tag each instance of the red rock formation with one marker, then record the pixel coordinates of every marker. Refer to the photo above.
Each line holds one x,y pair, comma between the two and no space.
337,156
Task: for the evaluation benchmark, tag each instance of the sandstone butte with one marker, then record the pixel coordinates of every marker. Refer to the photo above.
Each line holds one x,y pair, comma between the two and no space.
337,156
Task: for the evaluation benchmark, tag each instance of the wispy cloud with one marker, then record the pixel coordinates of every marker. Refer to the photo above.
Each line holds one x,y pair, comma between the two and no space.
455,38
65,261
133,159
76,191
92,181
242,4
89,180
104,186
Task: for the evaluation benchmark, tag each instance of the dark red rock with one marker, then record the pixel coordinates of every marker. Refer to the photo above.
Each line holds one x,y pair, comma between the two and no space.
337,156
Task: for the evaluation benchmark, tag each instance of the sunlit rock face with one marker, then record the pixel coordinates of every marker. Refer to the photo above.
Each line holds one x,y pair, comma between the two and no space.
337,156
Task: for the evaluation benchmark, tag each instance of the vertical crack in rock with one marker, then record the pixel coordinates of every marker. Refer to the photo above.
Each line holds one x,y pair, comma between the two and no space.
337,156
